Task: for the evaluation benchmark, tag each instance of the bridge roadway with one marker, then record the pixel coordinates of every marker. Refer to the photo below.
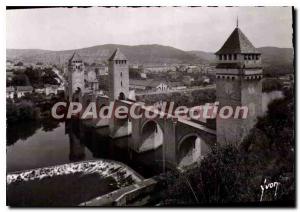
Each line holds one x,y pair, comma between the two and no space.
176,91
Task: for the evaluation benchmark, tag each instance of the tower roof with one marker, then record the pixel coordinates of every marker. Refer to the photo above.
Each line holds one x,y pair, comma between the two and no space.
75,57
237,43
117,55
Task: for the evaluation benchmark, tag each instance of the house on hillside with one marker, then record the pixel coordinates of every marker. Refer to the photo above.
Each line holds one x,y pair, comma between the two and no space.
287,80
188,80
51,89
148,85
177,86
9,76
91,79
10,91
39,90
22,90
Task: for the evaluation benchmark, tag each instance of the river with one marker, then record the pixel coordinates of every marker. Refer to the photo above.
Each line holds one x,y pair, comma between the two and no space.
46,143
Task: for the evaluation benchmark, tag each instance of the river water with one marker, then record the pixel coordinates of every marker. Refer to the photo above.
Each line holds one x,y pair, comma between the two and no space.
48,142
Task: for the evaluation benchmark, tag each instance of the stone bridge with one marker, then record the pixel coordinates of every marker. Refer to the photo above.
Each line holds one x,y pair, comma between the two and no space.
183,142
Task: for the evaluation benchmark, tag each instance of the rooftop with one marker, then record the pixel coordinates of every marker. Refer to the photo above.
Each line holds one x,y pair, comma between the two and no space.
117,55
237,43
10,89
153,83
24,88
75,57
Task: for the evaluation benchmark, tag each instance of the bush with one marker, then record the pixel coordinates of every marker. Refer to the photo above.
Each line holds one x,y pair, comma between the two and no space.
21,111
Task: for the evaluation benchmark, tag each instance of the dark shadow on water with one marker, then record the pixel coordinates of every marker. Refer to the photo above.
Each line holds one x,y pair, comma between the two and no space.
49,142
102,146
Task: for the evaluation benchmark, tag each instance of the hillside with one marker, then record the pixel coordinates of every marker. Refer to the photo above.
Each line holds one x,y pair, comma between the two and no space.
143,54
205,56
275,60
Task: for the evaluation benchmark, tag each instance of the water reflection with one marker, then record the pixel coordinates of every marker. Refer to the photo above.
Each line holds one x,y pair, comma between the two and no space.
48,142
23,130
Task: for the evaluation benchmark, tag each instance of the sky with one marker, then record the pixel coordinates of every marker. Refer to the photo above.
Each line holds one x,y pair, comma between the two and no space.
186,28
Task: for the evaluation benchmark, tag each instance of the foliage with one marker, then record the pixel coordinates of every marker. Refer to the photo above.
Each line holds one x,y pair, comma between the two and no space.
39,77
271,84
20,80
22,111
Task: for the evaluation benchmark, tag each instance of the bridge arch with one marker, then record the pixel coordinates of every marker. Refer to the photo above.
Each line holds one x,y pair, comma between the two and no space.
152,135
121,96
191,148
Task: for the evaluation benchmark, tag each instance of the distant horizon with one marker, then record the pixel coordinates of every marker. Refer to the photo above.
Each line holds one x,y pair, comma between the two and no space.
134,46
189,29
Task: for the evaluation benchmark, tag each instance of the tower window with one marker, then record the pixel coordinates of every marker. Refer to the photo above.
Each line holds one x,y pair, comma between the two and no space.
245,57
121,84
257,57
229,57
235,57
225,57
121,74
220,57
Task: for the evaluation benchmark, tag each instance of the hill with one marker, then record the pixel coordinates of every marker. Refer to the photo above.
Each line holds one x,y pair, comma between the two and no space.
275,60
205,56
142,54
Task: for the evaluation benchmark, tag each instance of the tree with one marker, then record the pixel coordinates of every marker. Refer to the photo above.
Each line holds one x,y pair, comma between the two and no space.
20,80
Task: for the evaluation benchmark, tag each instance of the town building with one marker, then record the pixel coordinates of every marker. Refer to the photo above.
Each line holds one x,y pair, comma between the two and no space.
10,91
188,80
9,76
148,85
22,90
51,89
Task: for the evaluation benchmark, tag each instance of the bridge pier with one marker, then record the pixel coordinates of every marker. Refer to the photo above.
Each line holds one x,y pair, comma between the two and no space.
119,127
136,137
170,144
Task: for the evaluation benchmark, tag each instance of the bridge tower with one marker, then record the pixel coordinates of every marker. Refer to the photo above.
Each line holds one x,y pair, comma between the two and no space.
118,75
75,87
238,83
